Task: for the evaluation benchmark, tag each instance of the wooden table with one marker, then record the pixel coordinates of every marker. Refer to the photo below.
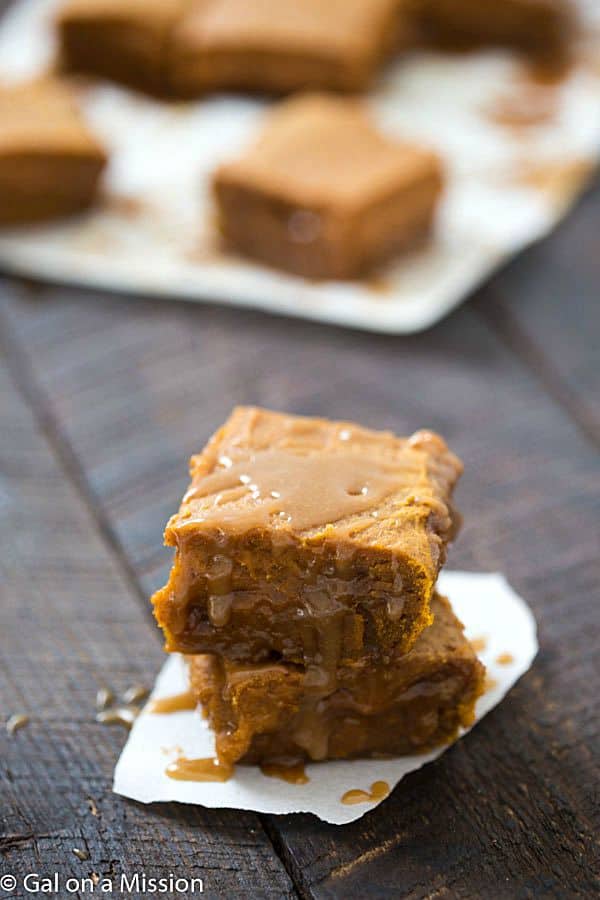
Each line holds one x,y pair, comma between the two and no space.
104,398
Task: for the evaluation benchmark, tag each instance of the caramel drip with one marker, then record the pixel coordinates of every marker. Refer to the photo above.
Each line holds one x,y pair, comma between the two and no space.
292,774
175,703
302,490
379,791
505,659
240,672
489,684
478,644
208,769
527,108
379,285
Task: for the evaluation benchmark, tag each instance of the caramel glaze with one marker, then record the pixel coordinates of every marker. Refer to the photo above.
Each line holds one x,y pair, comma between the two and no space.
175,703
505,659
293,774
208,769
373,709
309,541
302,490
379,791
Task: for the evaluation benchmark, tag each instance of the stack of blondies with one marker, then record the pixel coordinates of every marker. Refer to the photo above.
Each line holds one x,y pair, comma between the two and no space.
303,591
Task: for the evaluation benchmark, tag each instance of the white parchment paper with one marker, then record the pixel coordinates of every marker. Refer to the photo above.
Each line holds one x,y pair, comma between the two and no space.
507,186
491,612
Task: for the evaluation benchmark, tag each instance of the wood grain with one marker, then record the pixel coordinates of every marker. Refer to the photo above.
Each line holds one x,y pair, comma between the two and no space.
546,303
71,623
131,388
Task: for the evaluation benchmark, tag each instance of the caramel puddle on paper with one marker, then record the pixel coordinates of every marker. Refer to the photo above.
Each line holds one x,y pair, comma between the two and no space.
127,206
489,685
529,106
479,644
291,774
208,769
380,286
505,659
527,112
175,703
379,791
557,180
533,99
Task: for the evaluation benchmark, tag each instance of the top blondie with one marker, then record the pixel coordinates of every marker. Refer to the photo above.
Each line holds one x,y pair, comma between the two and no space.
308,540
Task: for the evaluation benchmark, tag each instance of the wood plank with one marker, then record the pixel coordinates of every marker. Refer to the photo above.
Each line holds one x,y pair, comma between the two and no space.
71,623
135,387
547,305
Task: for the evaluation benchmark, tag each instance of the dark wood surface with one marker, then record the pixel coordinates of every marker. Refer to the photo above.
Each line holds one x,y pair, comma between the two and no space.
104,398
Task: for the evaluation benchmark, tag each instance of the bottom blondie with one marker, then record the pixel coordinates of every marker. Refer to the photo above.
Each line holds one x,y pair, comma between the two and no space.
269,713
50,162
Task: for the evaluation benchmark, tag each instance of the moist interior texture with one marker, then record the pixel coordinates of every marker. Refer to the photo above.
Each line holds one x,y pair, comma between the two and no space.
274,712
254,584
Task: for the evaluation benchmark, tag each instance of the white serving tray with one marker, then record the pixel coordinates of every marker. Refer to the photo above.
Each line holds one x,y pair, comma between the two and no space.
154,234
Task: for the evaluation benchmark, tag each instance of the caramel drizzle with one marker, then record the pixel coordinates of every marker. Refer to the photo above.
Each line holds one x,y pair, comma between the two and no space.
175,703
526,108
294,774
379,791
505,659
209,769
299,490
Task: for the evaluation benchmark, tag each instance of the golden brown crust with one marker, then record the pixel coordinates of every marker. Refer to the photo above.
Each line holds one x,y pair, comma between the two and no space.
415,702
186,47
123,40
297,200
355,583
50,163
278,47
540,27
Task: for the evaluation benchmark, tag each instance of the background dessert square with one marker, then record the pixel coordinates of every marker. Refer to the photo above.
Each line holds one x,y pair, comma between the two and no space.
162,232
